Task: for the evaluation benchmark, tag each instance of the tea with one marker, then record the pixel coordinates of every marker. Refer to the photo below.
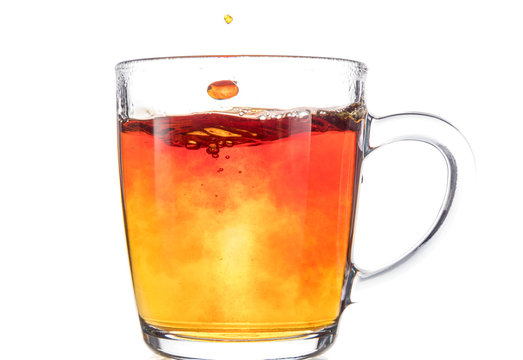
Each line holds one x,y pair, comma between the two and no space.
238,223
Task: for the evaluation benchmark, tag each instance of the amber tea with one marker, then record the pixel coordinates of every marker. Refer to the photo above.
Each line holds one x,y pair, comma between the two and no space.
238,222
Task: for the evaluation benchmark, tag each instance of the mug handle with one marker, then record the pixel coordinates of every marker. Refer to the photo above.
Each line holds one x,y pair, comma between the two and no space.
434,131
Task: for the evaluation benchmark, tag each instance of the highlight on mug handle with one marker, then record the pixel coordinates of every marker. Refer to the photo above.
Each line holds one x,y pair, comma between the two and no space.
434,131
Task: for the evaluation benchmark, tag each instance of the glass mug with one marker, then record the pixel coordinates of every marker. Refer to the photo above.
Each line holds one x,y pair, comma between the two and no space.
239,178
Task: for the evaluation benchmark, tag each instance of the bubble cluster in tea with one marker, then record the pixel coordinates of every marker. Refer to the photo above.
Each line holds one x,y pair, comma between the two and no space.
238,222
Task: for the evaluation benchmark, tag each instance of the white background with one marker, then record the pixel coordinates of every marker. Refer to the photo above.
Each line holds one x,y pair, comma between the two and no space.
64,278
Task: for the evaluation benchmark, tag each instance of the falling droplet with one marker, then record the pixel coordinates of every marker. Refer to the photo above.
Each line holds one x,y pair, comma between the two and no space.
228,19
222,89
219,170
227,157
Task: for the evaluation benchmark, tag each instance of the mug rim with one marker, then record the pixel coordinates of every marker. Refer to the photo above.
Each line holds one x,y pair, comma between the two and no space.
129,63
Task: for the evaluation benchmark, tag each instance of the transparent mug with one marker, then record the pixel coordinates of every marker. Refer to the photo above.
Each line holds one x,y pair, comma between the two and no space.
239,178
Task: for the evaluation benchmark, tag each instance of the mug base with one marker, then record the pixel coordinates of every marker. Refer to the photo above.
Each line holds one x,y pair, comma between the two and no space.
178,345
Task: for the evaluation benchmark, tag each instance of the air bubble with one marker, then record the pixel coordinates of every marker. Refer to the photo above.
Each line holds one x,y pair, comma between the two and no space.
192,145
213,149
263,117
304,116
216,156
241,113
228,143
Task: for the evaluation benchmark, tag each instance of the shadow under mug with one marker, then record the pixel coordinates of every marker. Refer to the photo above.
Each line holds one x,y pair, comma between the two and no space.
239,178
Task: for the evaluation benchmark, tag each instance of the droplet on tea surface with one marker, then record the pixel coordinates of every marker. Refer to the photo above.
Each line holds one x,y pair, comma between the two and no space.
228,19
222,89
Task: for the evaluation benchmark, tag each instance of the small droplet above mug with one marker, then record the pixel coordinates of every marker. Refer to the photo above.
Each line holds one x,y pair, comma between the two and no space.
222,89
